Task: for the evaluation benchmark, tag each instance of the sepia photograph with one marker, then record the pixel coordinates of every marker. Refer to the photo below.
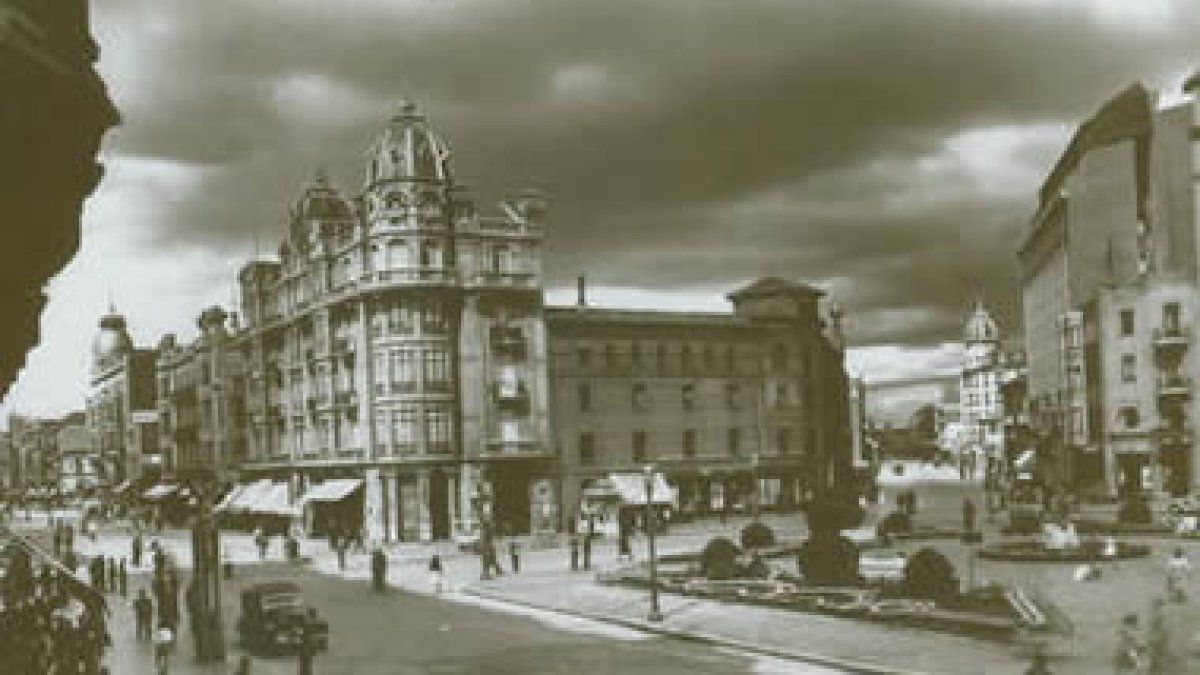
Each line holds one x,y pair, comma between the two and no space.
578,337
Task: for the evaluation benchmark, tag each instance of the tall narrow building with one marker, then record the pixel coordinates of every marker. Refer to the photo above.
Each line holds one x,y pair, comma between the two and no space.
980,407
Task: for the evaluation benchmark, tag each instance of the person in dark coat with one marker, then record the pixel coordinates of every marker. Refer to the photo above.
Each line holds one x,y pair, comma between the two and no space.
514,554
123,578
587,551
378,570
968,515
112,574
96,572
143,614
574,542
135,551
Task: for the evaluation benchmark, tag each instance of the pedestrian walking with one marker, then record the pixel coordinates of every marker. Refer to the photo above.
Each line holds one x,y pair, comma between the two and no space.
112,574
378,570
260,540
1178,571
968,515
587,551
1156,639
123,579
307,651
514,554
624,549
143,615
574,543
244,666
1130,655
436,576
341,546
164,643
135,549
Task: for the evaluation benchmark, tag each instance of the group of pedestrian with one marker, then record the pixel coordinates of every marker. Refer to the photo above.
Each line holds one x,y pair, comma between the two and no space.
1142,649
49,623
108,575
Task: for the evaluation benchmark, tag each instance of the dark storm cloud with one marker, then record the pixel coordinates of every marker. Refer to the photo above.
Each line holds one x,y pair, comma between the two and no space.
647,120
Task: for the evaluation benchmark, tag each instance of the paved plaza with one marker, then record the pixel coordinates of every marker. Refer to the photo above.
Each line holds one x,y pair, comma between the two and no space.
547,593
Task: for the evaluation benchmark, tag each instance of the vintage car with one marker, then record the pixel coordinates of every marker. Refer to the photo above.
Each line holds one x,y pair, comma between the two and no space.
275,619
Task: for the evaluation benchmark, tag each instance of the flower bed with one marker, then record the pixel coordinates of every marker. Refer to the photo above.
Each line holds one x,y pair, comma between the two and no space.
969,615
1102,527
1035,551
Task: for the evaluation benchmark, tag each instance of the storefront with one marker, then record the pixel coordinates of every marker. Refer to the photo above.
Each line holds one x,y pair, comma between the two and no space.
621,497
334,505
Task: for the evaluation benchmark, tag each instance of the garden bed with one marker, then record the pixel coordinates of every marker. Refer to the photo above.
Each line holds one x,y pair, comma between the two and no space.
969,615
1102,527
1035,551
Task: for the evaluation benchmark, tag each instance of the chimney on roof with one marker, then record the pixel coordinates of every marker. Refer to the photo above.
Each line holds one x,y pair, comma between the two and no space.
581,291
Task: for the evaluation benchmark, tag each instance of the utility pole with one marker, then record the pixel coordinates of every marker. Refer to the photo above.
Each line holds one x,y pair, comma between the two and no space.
206,589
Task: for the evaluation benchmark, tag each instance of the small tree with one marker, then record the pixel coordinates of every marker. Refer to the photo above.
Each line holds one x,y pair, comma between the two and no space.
929,574
894,522
828,558
757,535
718,560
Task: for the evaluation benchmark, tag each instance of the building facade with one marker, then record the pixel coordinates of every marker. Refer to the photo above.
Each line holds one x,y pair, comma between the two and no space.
77,471
980,443
719,403
201,413
399,342
121,415
1109,274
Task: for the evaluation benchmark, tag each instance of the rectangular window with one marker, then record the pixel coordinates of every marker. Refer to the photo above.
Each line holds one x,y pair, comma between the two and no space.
689,443
585,357
585,397
1130,417
733,443
404,370
783,441
510,431
733,396
587,448
688,396
635,354
1171,322
641,397
437,429
781,394
381,372
381,431
639,446
437,368
1127,326
406,427
1128,368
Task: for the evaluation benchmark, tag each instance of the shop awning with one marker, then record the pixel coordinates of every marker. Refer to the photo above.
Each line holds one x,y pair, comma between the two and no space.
160,491
273,501
631,487
243,494
332,490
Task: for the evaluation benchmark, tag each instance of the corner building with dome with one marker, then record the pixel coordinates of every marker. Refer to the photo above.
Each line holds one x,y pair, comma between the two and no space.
398,346
401,371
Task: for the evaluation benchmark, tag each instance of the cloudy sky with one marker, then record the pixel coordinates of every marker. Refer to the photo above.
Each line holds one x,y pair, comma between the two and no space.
886,150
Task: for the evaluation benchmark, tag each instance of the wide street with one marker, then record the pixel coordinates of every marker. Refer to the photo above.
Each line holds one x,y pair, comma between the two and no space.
548,619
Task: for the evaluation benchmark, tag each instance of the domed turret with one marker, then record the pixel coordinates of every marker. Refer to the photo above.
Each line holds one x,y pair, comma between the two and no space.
321,201
980,326
408,150
112,342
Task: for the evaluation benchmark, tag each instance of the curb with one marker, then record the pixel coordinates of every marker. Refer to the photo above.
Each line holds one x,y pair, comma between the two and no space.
697,637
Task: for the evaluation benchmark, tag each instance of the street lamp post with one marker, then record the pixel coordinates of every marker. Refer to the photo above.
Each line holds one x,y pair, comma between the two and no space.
655,614
210,643
757,496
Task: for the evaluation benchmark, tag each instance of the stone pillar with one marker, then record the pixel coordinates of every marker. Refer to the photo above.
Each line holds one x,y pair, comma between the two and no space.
372,505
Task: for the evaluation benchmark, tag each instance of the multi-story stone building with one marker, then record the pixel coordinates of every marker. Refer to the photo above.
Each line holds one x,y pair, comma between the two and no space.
121,415
397,355
398,344
981,440
77,471
200,391
717,402
1110,269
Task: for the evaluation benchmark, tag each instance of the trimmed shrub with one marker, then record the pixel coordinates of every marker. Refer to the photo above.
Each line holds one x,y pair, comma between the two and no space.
894,523
929,574
718,560
757,535
829,560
